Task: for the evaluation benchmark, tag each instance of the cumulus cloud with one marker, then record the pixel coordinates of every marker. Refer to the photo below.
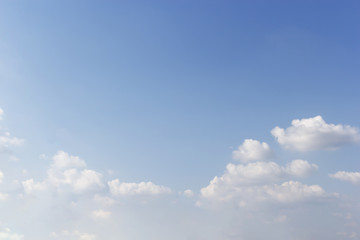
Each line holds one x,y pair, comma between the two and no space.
118,188
188,193
30,186
1,113
292,191
100,214
79,181
287,192
64,172
62,160
7,141
254,178
252,150
6,234
262,172
1,176
300,168
353,177
310,134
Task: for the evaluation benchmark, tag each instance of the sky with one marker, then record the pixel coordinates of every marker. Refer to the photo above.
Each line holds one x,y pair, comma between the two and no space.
216,120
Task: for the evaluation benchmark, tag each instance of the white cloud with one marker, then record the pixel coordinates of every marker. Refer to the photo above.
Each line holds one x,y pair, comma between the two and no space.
1,113
300,168
100,214
315,134
253,179
188,193
142,188
287,192
60,176
6,141
252,150
78,180
62,160
1,176
353,177
30,186
262,172
84,180
6,234
292,191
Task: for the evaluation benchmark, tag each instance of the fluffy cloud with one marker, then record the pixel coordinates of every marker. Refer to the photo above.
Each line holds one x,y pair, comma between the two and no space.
100,214
253,180
1,176
62,160
79,181
300,168
1,113
353,177
30,186
292,191
287,192
253,150
188,193
7,141
118,188
64,173
315,134
262,172
6,234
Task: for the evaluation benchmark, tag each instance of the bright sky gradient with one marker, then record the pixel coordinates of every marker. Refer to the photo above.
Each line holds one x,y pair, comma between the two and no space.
196,120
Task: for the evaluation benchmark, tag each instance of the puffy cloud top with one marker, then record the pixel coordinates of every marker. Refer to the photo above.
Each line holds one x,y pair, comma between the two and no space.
246,179
300,168
64,160
66,171
353,177
253,150
315,134
293,191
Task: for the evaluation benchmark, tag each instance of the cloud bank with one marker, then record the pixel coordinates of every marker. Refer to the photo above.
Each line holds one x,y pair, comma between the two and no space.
118,188
309,134
352,177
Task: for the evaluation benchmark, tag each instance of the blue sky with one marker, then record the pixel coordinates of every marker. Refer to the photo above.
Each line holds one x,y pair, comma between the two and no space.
167,92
